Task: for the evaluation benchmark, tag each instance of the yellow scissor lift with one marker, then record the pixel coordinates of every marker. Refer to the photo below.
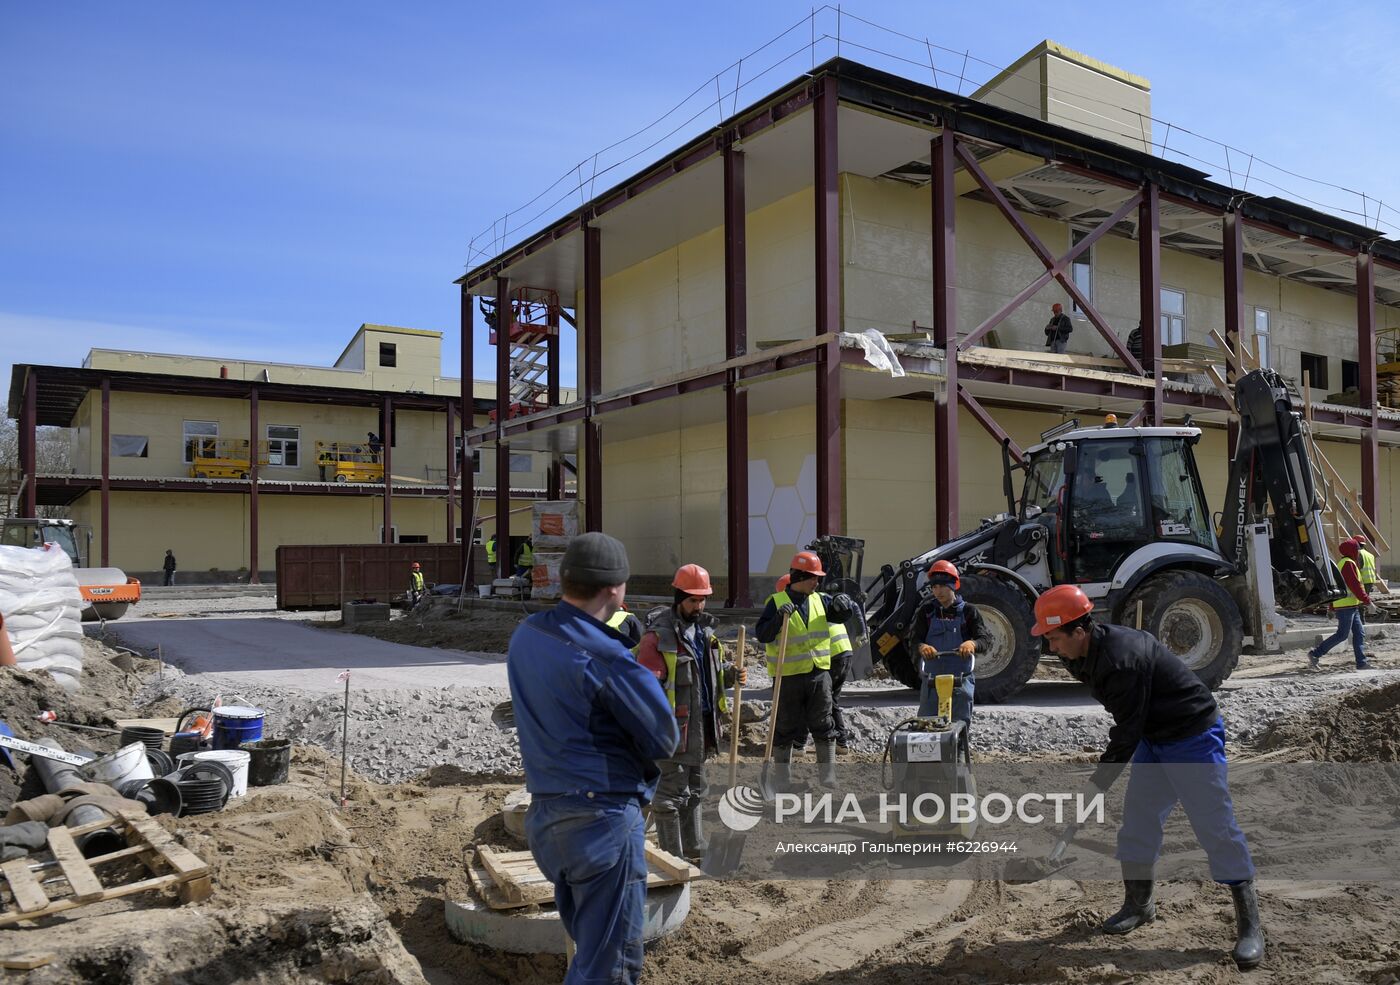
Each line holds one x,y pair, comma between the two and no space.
343,461
224,458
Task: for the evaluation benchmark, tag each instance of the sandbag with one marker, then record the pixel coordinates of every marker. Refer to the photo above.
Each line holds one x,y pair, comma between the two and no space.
42,607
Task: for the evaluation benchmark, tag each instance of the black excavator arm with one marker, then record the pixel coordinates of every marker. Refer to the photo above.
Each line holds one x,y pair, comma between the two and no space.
1272,466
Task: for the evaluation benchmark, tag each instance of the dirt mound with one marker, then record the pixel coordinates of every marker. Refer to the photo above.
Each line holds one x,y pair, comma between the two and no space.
471,631
1361,727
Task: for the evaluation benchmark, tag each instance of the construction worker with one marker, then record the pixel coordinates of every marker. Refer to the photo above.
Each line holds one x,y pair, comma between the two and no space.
841,651
1162,714
628,626
416,586
805,702
1370,575
680,648
1058,329
525,557
491,553
592,723
1348,611
951,627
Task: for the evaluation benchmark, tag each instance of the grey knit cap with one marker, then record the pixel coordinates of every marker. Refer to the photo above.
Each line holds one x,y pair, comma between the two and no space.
595,559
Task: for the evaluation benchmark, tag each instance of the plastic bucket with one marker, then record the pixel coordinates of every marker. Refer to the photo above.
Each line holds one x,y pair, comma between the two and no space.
154,738
161,796
235,759
127,763
183,742
484,591
269,763
235,725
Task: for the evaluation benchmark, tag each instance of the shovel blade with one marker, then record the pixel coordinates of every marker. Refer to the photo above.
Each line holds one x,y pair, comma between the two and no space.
725,853
766,786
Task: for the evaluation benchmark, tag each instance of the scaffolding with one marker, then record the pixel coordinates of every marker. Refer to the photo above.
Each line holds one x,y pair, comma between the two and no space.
534,320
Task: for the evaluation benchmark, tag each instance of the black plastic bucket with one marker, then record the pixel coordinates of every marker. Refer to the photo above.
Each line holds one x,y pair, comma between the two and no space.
152,738
161,796
269,763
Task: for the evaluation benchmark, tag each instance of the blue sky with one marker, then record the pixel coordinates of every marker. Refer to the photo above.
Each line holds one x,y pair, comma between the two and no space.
257,179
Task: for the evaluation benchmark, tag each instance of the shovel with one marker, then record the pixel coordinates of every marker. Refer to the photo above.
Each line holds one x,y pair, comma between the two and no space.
726,847
1022,871
765,777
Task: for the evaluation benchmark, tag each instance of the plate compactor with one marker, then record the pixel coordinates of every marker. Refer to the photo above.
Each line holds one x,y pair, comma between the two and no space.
930,756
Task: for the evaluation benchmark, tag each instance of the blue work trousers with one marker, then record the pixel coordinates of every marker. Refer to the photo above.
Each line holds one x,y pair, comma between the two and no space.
1192,772
1348,624
594,853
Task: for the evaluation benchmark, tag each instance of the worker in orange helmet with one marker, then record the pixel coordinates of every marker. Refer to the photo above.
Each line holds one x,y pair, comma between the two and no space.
806,703
1163,716
416,586
679,646
950,633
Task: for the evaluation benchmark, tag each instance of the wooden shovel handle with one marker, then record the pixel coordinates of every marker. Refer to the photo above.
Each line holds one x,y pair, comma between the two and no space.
734,720
777,690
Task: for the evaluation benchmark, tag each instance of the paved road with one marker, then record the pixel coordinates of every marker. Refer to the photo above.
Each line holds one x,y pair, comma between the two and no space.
284,653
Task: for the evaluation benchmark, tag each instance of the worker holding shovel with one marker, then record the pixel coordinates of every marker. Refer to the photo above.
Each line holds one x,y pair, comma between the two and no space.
680,648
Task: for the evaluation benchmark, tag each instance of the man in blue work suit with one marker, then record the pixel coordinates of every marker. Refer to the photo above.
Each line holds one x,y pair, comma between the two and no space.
592,723
951,627
1162,714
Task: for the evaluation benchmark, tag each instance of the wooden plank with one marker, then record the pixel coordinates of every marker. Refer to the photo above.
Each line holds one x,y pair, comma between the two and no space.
1221,386
167,725
180,858
1228,354
29,895
502,876
675,868
28,961
69,903
86,886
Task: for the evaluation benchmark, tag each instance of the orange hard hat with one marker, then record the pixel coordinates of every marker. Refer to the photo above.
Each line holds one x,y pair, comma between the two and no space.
783,583
1360,540
415,566
693,580
1059,607
807,561
946,568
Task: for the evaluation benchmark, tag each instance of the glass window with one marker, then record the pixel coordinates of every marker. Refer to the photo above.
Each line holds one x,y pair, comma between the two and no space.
388,354
1177,503
1043,481
522,462
201,440
1108,520
283,446
1261,335
1082,270
1173,316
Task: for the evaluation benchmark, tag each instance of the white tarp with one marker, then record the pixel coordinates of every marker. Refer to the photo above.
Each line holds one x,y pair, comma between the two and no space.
878,351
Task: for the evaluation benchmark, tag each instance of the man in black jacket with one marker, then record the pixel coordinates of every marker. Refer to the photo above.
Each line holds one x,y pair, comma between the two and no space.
1057,329
1162,714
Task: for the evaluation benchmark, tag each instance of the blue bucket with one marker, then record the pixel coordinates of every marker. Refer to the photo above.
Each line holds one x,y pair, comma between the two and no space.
235,725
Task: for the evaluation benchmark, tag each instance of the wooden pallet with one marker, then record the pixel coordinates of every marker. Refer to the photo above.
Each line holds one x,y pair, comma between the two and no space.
168,864
509,880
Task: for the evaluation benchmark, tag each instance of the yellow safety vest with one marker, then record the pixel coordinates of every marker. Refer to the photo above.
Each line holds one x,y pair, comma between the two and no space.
616,622
840,640
669,646
808,644
417,581
1349,599
1369,575
527,556
491,550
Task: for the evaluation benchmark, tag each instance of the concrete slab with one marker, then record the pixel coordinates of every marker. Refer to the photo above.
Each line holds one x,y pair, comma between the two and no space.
279,652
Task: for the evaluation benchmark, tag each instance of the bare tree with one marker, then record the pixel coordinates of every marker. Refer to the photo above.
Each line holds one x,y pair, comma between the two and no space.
53,454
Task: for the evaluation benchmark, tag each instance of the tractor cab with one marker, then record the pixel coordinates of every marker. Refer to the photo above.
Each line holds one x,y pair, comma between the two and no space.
30,533
1103,493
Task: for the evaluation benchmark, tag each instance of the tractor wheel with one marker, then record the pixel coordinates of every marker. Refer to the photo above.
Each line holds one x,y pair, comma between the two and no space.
1011,660
1195,618
901,666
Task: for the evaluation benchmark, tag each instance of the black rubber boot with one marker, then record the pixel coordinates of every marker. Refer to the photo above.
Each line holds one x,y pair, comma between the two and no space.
1138,906
668,833
692,823
826,763
1249,932
782,768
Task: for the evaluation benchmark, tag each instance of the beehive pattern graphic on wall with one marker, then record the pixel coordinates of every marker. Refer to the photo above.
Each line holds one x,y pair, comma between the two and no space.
781,517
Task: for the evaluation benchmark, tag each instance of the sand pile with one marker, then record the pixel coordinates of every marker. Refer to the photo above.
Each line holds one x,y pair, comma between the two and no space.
1363,726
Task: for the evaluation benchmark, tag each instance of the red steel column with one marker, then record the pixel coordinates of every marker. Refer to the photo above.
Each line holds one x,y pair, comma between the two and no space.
450,412
28,459
253,578
1150,294
592,377
1366,364
554,478
736,398
468,405
105,540
386,437
828,228
1232,234
945,333
504,316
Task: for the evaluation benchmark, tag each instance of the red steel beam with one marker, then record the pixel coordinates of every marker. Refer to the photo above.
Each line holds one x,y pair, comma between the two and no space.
736,398
592,377
451,471
828,307
1150,293
504,558
28,459
253,578
1366,365
106,507
1232,260
989,424
942,163
386,440
554,478
468,402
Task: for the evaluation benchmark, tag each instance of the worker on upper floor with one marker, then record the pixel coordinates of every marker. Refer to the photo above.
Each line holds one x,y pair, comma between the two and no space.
1058,328
680,648
417,588
376,445
805,702
525,557
950,632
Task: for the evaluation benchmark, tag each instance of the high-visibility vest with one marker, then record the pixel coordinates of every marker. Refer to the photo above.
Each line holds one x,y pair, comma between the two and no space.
840,640
619,619
491,550
527,556
808,644
1369,575
416,581
1350,598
